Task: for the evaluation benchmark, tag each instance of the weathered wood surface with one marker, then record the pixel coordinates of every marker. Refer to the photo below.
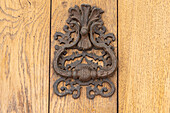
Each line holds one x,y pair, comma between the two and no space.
24,56
144,56
83,104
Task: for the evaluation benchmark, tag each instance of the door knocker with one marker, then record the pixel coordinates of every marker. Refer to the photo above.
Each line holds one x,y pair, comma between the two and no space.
84,55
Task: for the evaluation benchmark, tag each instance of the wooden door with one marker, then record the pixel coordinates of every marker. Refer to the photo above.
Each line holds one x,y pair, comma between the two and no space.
142,47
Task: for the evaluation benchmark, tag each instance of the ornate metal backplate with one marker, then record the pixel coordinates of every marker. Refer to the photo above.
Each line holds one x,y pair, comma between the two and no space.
84,55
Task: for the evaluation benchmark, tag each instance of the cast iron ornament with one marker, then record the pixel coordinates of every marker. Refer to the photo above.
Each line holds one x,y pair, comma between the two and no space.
92,58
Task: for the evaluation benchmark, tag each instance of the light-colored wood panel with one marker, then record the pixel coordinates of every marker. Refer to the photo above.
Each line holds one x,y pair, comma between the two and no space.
24,59
144,56
83,104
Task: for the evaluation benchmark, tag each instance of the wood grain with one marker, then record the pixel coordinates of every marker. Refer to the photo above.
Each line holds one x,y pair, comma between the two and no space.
144,56
83,104
24,59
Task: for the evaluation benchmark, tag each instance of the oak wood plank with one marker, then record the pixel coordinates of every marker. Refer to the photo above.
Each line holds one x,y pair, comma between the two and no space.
24,56
83,104
144,56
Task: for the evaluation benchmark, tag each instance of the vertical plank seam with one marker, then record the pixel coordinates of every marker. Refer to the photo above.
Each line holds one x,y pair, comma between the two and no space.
49,57
117,61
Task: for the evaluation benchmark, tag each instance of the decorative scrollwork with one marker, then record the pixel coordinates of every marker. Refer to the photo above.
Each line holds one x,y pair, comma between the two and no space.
63,91
84,34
